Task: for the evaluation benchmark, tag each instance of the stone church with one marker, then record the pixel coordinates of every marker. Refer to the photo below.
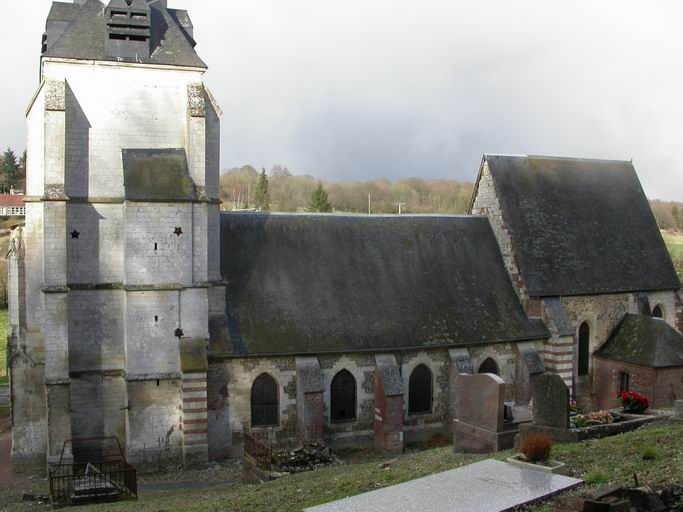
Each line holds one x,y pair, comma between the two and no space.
140,312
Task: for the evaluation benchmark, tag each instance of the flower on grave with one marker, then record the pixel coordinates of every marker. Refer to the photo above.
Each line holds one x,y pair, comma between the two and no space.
633,402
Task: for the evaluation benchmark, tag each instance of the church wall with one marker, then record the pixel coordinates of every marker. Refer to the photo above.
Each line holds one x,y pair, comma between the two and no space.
362,367
151,320
96,255
98,407
35,144
29,419
422,426
486,203
96,330
154,436
667,300
154,253
128,109
229,385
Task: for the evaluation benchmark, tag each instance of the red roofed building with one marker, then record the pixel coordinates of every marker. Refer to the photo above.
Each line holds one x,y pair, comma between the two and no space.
12,204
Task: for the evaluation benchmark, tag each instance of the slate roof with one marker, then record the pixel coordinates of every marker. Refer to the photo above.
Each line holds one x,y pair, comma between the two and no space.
304,284
580,227
644,341
157,175
85,36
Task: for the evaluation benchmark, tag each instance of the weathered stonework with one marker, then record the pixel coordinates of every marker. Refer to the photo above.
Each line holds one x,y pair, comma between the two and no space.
55,92
196,105
108,291
486,202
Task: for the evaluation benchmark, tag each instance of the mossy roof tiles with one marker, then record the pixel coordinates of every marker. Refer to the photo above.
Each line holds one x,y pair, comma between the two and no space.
644,341
580,227
337,283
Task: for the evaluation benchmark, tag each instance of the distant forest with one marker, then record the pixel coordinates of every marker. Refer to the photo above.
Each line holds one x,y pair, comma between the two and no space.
291,193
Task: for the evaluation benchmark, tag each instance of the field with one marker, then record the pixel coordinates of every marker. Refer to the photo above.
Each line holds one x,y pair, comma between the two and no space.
674,241
601,462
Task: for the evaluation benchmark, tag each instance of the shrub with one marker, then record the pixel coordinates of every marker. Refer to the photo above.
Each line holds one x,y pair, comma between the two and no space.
596,478
536,447
634,402
650,453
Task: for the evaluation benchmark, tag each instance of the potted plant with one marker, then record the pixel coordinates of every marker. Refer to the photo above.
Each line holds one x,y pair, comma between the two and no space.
536,448
633,403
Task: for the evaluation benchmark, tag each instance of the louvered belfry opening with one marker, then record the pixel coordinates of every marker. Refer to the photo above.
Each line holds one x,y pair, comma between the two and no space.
343,397
420,391
128,29
264,402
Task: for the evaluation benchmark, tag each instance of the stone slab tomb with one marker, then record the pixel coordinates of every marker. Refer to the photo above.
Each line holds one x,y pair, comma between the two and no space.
480,427
487,486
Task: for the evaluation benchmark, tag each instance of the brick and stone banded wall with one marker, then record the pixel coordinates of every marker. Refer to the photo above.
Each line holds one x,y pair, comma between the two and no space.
195,417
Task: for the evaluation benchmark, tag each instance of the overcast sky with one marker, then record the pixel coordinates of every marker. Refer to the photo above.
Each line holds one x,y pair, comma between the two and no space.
361,89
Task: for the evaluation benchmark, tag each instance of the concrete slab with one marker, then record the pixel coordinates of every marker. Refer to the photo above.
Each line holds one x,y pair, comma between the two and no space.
487,486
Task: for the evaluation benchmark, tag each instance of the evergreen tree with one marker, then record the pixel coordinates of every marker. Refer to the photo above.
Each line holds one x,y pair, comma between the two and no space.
261,195
320,202
22,166
9,170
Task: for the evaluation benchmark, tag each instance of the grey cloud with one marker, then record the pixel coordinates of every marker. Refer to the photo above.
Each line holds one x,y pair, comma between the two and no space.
397,88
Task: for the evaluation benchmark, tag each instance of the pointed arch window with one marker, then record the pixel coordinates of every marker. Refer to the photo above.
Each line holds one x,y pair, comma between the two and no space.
264,402
489,366
658,312
343,397
584,349
420,390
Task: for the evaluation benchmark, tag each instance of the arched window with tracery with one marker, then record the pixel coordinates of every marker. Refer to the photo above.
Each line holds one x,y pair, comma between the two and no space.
343,397
420,390
584,355
489,366
264,402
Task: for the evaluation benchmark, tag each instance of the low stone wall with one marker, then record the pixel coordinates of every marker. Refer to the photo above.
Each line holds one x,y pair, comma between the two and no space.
576,435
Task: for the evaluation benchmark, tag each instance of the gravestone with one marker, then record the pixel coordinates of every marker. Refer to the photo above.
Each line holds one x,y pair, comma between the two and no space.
551,402
480,427
678,409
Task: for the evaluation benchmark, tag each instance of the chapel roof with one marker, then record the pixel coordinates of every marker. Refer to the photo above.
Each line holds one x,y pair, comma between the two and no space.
580,227
80,31
644,341
315,283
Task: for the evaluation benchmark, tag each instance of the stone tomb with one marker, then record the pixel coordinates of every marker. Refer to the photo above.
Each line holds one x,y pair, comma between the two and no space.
480,427
487,486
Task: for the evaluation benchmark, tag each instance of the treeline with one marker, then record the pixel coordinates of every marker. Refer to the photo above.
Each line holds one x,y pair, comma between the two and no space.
669,214
240,189
12,171
286,192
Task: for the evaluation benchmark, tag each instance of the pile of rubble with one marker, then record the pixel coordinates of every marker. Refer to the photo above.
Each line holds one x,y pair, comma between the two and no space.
625,499
309,457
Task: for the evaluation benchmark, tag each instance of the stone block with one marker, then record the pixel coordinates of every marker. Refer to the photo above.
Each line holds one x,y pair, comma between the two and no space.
551,402
678,409
481,401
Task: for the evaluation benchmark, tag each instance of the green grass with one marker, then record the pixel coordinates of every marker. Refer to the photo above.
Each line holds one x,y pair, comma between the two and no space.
613,460
674,242
4,331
